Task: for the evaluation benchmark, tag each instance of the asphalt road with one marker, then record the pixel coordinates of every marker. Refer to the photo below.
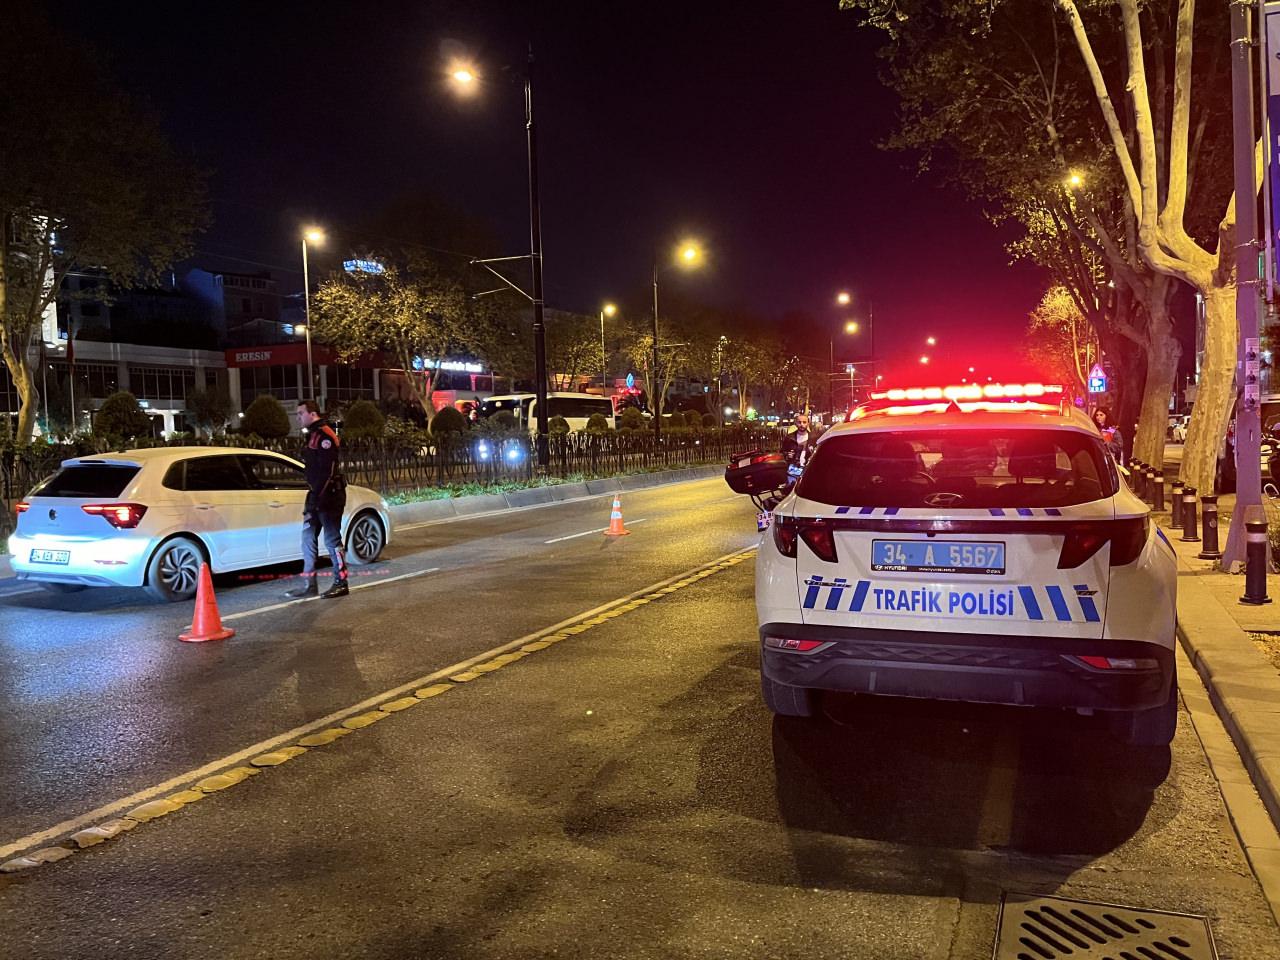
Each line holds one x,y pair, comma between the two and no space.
618,792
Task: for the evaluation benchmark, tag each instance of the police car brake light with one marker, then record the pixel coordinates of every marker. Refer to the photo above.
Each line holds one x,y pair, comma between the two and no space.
790,643
1127,538
1119,663
784,536
820,537
1079,545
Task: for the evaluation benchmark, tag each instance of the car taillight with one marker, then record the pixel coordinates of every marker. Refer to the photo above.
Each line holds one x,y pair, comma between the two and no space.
21,506
124,516
820,537
1127,538
784,536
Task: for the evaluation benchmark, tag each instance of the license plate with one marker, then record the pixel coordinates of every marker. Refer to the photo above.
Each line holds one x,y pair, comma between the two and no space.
763,519
937,556
50,556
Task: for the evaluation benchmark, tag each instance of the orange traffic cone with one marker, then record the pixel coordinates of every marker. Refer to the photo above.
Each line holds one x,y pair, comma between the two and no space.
616,529
206,624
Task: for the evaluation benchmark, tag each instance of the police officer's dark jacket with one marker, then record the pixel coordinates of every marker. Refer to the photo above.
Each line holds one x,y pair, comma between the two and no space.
320,456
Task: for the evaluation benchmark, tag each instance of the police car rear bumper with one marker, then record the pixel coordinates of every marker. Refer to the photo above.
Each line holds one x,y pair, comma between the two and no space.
1029,671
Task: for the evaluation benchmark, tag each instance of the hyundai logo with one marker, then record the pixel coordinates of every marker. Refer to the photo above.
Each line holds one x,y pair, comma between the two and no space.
53,514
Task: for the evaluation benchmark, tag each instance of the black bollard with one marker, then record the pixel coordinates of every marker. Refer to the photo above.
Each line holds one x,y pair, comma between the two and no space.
1189,534
1138,470
1157,502
1175,521
1149,482
1209,523
1255,564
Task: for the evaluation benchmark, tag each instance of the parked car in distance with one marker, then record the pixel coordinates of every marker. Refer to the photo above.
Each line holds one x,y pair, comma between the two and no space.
149,518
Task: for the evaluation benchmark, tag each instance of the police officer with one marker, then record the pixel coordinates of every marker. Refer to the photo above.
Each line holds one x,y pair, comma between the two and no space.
326,498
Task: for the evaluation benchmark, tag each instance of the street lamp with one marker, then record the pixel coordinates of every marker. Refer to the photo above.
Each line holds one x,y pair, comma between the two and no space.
924,360
608,310
688,255
843,298
466,78
314,236
931,341
853,328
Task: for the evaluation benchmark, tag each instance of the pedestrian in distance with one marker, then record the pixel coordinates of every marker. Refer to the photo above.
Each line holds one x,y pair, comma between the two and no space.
326,499
1110,434
796,447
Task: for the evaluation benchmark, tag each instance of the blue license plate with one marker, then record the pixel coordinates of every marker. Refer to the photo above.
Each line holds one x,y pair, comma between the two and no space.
937,556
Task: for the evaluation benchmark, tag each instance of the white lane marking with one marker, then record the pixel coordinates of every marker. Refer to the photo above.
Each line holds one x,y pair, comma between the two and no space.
502,511
587,533
357,586
148,793
21,593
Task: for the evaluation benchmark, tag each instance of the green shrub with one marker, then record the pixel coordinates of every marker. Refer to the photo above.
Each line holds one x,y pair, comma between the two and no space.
448,420
209,409
709,420
121,418
597,424
631,419
558,425
266,418
363,421
693,419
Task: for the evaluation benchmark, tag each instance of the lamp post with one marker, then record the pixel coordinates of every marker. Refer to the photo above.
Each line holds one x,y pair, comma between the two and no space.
465,76
688,256
608,310
853,328
315,236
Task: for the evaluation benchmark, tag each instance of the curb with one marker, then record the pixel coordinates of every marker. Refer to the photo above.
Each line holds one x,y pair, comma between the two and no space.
451,508
1243,686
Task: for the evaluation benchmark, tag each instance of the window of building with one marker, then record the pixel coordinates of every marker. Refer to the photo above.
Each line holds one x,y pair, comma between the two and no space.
279,380
161,383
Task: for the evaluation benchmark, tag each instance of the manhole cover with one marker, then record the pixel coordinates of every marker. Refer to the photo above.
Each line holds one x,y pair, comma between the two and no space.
1050,928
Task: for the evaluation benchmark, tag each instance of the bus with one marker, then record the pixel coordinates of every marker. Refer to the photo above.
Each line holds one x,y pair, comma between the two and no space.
576,408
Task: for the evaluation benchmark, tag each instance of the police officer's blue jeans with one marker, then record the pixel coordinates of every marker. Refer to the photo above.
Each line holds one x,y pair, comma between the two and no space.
330,522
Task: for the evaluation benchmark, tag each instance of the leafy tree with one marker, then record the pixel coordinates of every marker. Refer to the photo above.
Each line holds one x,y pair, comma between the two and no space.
120,417
450,420
573,347
1061,341
710,420
693,419
209,409
89,181
266,418
420,318
363,421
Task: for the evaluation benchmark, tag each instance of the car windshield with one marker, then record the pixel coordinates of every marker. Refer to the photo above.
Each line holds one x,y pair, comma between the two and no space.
88,480
958,469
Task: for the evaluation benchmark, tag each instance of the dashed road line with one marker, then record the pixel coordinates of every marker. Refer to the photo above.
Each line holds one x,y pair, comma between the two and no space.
587,533
123,815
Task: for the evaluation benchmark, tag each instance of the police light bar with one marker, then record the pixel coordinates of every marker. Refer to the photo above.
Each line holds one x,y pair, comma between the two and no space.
972,391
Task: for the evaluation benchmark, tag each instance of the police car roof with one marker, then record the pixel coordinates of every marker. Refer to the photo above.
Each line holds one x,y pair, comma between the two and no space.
961,415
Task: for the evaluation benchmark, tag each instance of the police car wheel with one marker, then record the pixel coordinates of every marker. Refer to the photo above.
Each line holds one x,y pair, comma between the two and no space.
1150,728
787,701
365,540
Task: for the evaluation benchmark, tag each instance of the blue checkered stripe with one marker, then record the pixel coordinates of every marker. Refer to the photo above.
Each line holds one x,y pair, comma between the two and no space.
993,511
1037,602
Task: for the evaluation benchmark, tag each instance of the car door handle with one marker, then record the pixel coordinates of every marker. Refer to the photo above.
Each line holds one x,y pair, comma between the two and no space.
275,504
204,506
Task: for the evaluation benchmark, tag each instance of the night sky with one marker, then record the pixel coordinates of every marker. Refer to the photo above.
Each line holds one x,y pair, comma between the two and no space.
750,125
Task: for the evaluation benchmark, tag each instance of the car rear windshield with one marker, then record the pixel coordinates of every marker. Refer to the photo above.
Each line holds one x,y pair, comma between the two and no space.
958,469
87,480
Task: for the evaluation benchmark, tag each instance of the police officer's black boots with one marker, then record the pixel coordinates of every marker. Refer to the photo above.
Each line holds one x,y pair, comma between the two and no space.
307,589
339,589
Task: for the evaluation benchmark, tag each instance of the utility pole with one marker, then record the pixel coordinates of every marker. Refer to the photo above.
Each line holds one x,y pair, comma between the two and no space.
1248,397
653,376
535,257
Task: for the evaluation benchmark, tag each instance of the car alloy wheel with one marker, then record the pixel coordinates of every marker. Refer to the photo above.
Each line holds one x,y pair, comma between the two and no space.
179,569
365,540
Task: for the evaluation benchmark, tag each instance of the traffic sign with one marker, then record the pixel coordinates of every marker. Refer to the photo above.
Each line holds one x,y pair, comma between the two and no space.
1097,384
631,380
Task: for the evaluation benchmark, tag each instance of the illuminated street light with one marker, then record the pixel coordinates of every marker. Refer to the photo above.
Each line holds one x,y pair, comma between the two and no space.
843,298
315,237
1075,181
608,310
931,341
851,326
688,255
971,369
924,360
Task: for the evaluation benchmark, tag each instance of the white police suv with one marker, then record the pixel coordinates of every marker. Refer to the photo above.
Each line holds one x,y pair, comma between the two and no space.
970,543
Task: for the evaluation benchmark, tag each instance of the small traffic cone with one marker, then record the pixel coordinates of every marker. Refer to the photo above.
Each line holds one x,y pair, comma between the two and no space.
616,529
206,624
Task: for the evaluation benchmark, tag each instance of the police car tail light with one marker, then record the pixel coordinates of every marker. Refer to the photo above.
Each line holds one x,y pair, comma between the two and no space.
820,537
123,516
1127,538
784,536
1127,541
790,643
1079,545
1120,663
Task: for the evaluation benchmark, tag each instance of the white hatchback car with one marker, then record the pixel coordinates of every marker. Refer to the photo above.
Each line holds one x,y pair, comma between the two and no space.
149,518
981,550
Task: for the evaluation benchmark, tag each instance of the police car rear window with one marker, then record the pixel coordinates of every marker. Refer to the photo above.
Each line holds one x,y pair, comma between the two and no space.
958,469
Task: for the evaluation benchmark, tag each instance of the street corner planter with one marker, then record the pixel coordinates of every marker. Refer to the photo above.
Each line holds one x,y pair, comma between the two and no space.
606,485
479,503
423,511
530,497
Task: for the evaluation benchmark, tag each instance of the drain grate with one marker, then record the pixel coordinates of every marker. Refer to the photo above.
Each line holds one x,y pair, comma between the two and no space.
1054,928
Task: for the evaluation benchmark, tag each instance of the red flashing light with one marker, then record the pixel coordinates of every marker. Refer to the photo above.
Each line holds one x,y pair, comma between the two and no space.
122,516
21,506
972,391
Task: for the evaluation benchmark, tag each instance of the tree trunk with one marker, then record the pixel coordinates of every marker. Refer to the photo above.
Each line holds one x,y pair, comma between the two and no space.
1216,391
1162,354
